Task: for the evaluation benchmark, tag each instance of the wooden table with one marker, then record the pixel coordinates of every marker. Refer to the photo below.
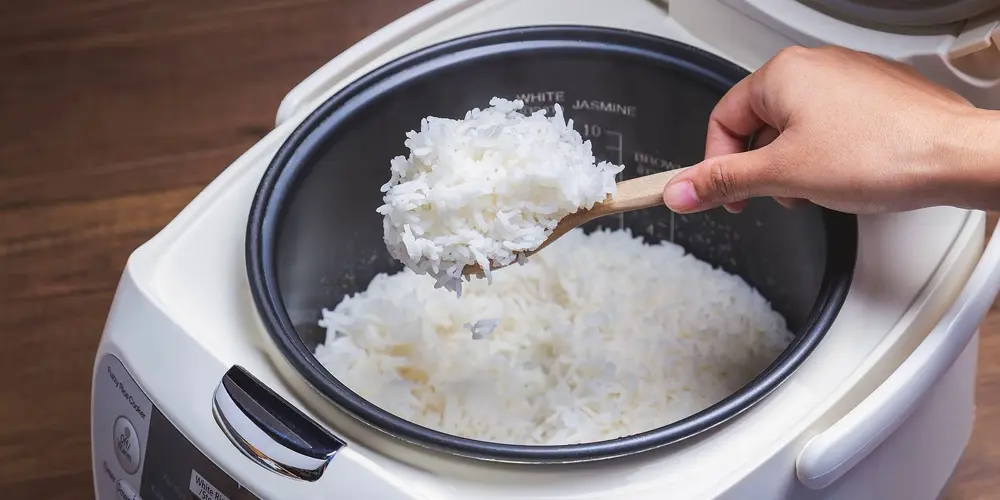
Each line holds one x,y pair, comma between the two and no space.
113,115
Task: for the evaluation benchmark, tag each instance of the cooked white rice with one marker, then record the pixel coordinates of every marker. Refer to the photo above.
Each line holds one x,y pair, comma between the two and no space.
484,188
482,328
599,337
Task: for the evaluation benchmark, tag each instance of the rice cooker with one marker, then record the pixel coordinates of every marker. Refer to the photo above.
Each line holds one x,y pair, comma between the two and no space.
205,385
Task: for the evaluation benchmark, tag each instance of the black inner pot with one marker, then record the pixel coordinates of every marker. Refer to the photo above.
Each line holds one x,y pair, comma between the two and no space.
314,235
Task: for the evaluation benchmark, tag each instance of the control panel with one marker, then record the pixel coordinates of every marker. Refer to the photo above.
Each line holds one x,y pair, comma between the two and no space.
138,453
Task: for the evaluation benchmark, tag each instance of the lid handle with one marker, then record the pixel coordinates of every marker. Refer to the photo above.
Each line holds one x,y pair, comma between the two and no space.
835,451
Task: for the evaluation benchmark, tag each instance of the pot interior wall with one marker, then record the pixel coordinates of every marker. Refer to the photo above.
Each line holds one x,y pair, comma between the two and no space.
330,238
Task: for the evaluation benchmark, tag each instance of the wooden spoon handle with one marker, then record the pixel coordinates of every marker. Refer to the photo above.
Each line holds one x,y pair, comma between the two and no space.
635,194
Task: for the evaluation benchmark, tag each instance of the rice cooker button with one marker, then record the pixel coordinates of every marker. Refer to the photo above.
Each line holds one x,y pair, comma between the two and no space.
125,491
126,444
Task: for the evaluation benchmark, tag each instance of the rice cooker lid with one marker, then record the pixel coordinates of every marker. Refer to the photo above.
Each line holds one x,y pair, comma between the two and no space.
904,13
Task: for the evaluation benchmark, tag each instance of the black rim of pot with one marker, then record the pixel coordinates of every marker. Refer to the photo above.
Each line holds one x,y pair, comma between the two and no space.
308,139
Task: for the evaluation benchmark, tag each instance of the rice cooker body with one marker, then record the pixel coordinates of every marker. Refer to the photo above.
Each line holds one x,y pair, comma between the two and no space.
642,101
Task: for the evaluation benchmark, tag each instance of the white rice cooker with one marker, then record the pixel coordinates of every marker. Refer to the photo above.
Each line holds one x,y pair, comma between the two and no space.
204,386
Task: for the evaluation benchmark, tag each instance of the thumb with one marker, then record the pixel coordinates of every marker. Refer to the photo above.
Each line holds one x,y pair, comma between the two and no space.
717,181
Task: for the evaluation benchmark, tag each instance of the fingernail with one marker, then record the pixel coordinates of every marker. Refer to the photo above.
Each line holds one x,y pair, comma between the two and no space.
681,197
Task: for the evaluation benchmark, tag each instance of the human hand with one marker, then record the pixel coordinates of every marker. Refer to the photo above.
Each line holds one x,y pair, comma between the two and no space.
845,130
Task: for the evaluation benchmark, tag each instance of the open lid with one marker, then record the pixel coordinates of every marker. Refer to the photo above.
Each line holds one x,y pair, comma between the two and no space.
972,28
955,43
904,13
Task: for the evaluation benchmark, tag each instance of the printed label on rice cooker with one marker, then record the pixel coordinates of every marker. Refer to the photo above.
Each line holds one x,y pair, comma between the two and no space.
609,107
544,99
539,100
541,97
646,163
203,490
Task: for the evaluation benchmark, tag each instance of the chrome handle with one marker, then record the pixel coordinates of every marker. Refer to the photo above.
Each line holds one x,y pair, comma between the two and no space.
270,431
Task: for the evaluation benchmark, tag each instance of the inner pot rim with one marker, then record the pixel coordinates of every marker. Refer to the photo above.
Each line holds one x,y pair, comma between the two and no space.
306,143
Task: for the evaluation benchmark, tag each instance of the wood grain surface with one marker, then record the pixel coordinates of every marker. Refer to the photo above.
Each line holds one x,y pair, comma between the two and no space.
113,115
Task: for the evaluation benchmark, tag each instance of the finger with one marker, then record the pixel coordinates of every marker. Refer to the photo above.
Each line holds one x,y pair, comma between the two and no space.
718,181
766,135
791,203
733,121
736,207
762,137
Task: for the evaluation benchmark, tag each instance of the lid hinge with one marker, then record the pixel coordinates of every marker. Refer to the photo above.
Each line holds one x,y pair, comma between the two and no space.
977,35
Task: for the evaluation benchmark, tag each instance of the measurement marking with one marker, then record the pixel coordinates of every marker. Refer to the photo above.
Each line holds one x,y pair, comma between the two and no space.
617,146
